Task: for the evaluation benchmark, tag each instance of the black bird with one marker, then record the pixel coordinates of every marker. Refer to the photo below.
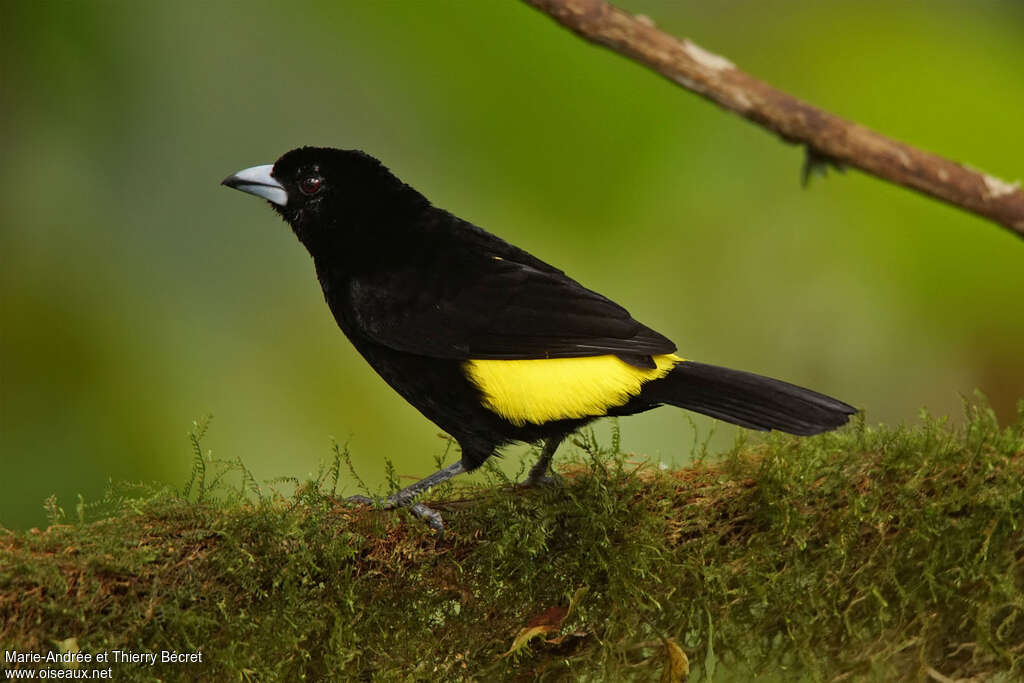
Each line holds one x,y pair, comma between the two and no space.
487,341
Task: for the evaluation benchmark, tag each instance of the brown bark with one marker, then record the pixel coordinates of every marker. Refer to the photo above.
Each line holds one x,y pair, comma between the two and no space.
825,135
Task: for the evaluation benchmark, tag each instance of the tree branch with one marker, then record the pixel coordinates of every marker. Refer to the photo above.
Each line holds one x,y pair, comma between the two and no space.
826,136
865,553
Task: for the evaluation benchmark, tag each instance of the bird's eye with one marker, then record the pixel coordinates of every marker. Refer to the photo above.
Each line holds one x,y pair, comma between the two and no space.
310,184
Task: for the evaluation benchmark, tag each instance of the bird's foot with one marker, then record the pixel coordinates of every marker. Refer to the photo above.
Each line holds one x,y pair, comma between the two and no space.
429,515
538,474
540,480
406,496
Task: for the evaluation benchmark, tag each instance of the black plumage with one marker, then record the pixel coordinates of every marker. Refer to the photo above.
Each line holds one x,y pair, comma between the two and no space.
421,294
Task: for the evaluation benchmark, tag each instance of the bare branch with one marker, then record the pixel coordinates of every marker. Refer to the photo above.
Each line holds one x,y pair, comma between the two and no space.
825,135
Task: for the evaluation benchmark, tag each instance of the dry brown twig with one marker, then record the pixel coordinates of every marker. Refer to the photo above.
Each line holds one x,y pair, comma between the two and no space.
828,138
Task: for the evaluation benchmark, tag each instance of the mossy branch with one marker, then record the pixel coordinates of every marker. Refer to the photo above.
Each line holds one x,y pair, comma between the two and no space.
829,139
869,553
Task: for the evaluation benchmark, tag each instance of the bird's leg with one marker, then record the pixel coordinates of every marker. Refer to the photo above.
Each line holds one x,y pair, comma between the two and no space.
405,497
539,472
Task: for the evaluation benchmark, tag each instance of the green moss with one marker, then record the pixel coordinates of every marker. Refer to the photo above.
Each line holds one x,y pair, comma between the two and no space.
871,553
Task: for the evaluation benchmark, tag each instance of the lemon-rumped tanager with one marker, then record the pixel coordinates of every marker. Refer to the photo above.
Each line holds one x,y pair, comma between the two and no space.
487,341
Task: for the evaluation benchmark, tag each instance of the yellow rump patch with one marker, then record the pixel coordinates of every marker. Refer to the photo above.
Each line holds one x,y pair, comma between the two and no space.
548,389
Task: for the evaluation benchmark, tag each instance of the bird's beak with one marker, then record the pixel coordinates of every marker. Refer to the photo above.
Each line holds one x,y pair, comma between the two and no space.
258,181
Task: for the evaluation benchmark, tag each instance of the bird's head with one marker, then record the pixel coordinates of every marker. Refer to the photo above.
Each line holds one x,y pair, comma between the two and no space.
327,194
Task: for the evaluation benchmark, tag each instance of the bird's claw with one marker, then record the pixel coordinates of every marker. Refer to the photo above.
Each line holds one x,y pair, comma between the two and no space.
429,515
533,482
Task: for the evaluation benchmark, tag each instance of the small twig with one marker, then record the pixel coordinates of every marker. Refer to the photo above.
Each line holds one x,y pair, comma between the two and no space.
825,135
936,676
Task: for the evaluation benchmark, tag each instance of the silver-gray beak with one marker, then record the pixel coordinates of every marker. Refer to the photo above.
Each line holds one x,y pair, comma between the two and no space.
258,181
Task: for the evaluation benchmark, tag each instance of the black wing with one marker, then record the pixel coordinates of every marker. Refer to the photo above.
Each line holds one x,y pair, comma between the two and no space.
462,301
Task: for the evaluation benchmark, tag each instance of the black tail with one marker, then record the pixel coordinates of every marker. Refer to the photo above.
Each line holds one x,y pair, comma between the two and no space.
748,400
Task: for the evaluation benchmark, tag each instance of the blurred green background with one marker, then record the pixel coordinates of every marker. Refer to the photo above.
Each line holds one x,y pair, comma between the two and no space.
137,294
